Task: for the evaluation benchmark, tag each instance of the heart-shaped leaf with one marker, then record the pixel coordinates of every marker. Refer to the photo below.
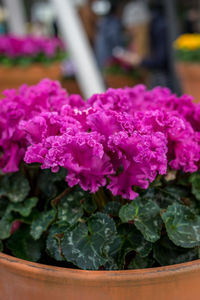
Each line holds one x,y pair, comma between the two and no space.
139,262
167,253
182,225
132,240
15,187
70,208
112,208
23,246
146,216
41,224
88,245
6,225
195,181
53,243
25,208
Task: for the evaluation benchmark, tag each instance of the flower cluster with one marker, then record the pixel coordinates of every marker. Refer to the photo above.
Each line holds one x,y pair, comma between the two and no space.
20,106
121,139
14,48
188,47
188,41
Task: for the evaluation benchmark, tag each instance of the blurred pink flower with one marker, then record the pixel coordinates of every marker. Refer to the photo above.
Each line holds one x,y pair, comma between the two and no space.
29,46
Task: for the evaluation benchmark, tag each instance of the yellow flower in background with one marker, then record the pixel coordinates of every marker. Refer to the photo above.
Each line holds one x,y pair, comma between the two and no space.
188,42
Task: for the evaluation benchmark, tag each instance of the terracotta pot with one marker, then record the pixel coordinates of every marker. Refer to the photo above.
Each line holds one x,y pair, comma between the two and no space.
189,74
22,280
13,77
119,81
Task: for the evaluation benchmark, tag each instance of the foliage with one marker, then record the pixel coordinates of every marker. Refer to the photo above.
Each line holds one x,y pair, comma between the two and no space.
108,184
161,227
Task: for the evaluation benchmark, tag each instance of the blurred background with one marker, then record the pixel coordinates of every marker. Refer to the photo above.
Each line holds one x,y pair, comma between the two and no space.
108,43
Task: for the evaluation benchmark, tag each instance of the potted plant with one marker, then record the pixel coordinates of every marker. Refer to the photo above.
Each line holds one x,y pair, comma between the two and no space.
29,59
99,199
119,75
188,66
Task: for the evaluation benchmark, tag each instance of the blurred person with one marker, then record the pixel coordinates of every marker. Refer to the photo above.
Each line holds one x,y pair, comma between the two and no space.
110,33
192,21
2,21
157,62
136,19
55,29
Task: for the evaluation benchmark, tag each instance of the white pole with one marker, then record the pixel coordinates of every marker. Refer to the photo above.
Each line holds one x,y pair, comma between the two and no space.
16,16
88,75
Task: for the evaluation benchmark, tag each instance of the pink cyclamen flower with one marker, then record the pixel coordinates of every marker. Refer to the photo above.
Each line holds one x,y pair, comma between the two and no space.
81,154
121,139
141,158
17,109
29,46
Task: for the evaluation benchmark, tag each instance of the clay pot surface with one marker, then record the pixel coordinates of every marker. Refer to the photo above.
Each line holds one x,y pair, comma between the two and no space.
22,280
189,74
13,77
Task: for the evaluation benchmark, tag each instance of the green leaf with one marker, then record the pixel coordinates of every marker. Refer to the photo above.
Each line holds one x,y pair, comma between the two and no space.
183,179
25,208
51,183
129,233
11,214
32,217
132,240
41,224
6,225
177,192
88,247
70,208
167,253
78,249
53,242
89,204
146,216
182,225
23,246
112,208
139,262
15,187
112,255
195,181
165,196
59,176
114,248
3,205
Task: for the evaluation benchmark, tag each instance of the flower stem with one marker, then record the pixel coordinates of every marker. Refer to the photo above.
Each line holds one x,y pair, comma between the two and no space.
100,198
57,199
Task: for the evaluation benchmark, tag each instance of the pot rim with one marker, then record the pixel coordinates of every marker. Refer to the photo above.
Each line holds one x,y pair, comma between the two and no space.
93,278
